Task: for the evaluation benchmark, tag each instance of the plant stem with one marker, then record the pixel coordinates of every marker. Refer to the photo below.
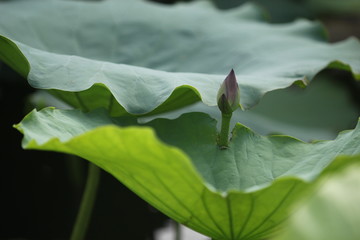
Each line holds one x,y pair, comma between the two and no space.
177,230
87,203
223,141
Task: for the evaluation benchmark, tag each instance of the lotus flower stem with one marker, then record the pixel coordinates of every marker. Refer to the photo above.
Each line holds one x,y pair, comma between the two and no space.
87,203
223,140
177,231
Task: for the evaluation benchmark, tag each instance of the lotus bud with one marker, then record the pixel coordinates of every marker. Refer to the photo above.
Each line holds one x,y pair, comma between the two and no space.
228,97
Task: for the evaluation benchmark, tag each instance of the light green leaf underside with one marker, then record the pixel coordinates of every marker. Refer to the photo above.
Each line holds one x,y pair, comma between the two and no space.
333,212
136,57
240,193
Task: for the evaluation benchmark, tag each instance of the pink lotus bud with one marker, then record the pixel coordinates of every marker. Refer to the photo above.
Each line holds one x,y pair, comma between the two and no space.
228,97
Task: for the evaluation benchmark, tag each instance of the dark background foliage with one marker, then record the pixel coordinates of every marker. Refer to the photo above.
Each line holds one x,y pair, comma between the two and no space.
40,191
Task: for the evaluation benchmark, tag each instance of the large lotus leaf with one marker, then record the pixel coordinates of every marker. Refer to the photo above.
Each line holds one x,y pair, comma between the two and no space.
243,192
132,55
333,212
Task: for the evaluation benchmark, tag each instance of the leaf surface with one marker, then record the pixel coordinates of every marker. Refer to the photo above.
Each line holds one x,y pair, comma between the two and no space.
139,57
244,192
333,211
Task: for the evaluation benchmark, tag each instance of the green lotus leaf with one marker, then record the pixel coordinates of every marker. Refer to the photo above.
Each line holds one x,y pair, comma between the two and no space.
244,192
139,57
333,211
